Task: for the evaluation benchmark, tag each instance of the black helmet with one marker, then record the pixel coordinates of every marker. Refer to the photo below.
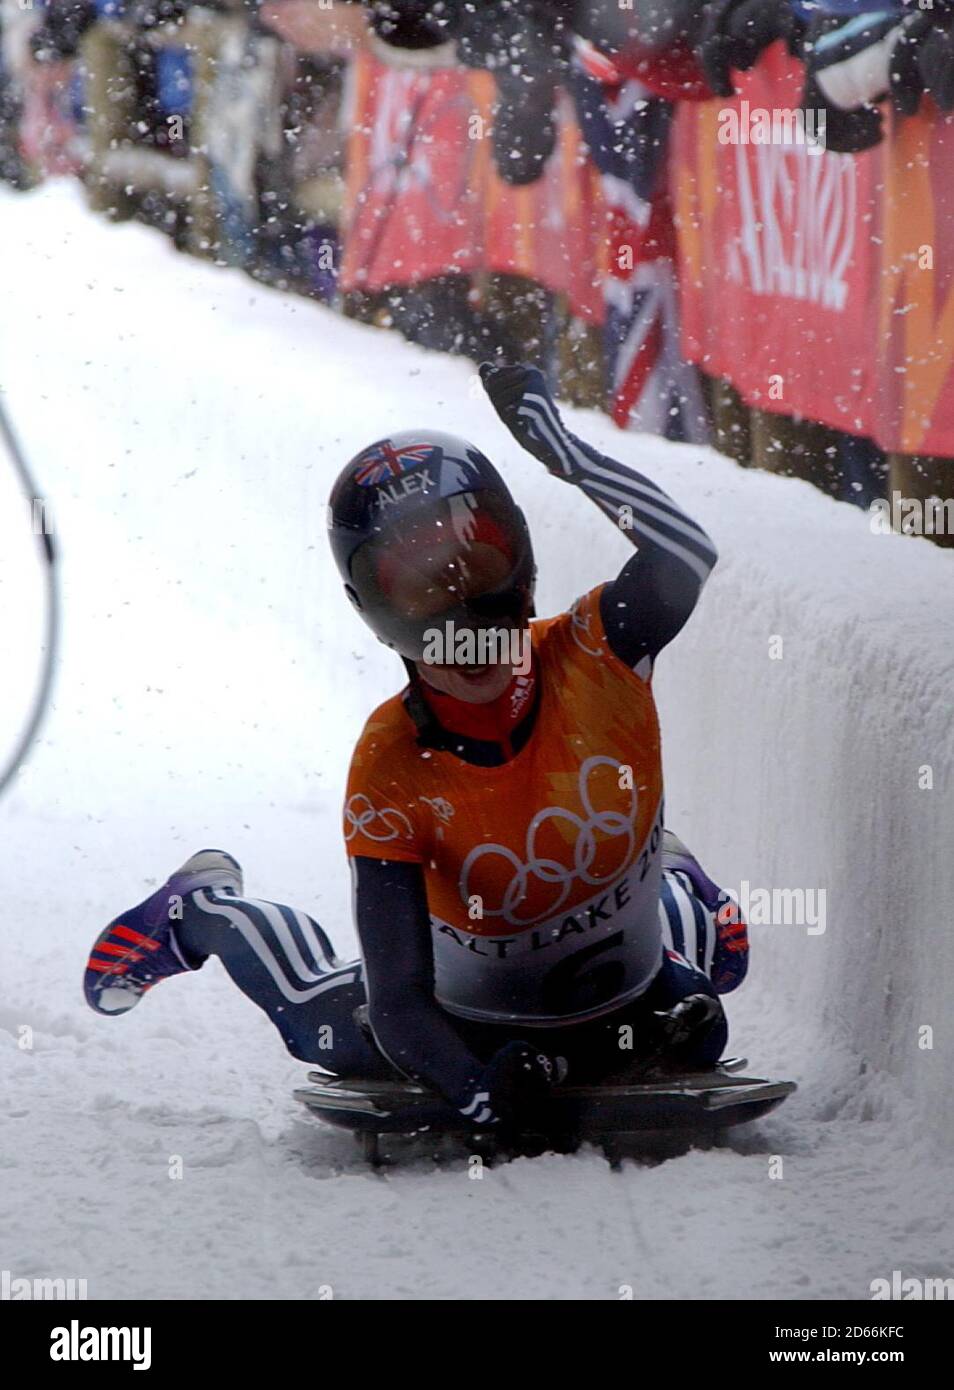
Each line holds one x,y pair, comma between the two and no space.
425,532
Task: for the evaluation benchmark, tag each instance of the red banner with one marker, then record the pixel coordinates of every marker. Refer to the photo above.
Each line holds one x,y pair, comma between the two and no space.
423,198
820,284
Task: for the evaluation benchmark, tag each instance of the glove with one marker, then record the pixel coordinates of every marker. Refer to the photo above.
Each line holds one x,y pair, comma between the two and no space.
936,62
735,32
677,1033
851,64
522,399
412,24
846,132
526,45
514,1083
691,1016
521,36
524,127
907,83
923,61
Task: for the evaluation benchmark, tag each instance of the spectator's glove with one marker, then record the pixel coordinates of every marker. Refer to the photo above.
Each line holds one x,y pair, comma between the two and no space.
524,129
526,45
522,399
829,60
513,1084
936,61
735,32
923,61
519,35
907,84
850,59
413,24
846,132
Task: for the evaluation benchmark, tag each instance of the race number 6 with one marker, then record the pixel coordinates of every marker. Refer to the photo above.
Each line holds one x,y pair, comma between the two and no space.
576,984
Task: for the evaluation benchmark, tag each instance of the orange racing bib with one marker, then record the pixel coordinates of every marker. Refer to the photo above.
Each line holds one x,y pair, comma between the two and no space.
543,874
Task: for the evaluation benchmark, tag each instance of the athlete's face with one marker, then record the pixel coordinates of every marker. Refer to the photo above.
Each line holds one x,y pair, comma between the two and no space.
425,579
424,582
475,685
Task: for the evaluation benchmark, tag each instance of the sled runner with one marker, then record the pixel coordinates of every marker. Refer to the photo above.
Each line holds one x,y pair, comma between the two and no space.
695,1104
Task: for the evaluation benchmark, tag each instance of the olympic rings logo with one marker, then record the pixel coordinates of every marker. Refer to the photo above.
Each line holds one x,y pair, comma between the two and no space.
360,816
615,824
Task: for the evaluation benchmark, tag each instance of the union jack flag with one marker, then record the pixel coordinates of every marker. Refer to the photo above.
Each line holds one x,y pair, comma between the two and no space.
383,461
626,127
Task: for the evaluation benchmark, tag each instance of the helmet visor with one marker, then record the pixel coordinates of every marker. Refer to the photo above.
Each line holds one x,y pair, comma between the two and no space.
464,560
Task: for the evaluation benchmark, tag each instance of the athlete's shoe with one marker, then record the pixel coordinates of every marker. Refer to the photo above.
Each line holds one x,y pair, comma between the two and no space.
730,959
139,948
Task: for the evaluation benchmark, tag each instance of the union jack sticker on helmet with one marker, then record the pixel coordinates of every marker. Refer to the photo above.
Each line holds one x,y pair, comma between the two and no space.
383,461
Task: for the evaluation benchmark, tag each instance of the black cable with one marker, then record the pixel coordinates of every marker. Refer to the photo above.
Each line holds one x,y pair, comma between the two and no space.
41,700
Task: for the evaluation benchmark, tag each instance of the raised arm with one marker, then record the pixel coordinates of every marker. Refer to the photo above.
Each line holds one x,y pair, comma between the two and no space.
654,594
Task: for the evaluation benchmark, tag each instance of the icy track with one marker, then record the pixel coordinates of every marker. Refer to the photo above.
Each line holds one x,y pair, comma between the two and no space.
187,425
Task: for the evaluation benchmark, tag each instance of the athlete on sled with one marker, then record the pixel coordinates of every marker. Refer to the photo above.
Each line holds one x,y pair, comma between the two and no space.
524,918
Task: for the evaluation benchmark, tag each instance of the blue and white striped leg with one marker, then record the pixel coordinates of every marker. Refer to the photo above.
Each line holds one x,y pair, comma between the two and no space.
282,960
